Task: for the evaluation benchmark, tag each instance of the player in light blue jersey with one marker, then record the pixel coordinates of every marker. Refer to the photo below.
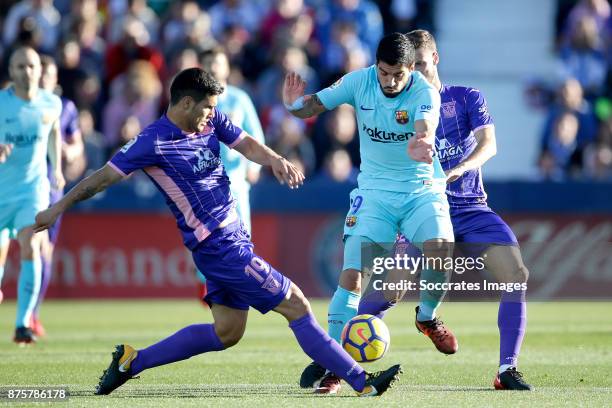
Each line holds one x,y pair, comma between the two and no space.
237,105
397,112
29,126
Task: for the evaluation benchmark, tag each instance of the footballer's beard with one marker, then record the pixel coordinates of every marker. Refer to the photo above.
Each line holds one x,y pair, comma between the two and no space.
390,93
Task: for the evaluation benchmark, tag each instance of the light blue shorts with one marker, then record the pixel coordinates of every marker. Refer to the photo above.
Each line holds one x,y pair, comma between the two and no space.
377,216
20,214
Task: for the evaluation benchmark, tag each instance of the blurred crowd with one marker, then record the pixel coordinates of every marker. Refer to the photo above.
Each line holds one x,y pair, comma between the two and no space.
576,140
115,59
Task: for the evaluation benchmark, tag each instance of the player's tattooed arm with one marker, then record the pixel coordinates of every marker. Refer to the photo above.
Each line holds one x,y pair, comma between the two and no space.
298,104
85,189
312,107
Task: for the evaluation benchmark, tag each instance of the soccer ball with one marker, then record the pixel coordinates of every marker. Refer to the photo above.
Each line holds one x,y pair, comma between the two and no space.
366,338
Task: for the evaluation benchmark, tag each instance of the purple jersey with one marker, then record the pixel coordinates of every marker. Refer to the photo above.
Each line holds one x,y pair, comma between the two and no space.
186,168
463,111
69,125
69,120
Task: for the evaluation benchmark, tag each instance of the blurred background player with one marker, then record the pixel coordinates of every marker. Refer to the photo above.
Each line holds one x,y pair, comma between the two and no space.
30,124
397,110
466,140
238,106
73,166
180,154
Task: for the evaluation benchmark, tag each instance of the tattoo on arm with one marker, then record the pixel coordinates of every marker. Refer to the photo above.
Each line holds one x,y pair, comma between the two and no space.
312,106
85,193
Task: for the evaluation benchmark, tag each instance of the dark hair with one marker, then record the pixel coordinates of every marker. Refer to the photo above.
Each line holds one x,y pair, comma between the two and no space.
47,60
422,39
194,82
395,49
212,52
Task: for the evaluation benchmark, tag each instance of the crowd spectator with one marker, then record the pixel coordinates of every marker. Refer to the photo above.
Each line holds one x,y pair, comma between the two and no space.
116,58
134,95
134,45
584,57
45,16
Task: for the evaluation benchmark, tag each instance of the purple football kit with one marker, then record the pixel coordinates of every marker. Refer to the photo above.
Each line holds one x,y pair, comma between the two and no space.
463,112
187,170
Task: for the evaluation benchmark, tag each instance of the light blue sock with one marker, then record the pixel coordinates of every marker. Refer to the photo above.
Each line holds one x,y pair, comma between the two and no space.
27,290
430,299
342,308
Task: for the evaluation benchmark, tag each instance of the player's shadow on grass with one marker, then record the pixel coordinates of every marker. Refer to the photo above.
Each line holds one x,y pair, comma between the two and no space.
241,390
203,391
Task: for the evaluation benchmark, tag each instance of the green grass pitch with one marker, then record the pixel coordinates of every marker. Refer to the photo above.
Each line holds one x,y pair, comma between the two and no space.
567,356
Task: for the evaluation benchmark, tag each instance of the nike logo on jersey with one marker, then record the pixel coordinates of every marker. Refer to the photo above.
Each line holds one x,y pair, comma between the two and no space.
364,108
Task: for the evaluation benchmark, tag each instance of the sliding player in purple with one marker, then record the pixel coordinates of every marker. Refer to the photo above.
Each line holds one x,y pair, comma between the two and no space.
397,110
180,154
465,140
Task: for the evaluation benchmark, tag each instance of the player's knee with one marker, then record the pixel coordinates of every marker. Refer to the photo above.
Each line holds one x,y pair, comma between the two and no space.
350,279
28,249
295,304
520,274
229,334
437,248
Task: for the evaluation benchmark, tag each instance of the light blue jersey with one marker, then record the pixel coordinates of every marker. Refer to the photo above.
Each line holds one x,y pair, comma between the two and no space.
237,105
26,125
385,126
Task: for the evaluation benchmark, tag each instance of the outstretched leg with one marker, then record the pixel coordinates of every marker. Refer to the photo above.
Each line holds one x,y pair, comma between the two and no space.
227,330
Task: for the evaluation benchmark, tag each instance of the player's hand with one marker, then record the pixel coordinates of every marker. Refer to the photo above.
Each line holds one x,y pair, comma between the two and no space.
58,181
45,219
286,173
293,88
5,151
420,149
454,173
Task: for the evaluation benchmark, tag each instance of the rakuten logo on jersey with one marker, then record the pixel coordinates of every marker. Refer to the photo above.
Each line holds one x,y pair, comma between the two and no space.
383,136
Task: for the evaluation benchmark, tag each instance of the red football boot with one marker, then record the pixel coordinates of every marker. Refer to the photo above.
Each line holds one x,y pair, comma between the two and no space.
444,340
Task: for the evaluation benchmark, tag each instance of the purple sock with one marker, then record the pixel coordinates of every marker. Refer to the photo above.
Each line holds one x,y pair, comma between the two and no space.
44,283
374,303
185,343
321,348
511,320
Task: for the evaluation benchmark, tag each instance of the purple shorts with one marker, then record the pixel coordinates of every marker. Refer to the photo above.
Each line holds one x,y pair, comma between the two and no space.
235,276
475,229
481,225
